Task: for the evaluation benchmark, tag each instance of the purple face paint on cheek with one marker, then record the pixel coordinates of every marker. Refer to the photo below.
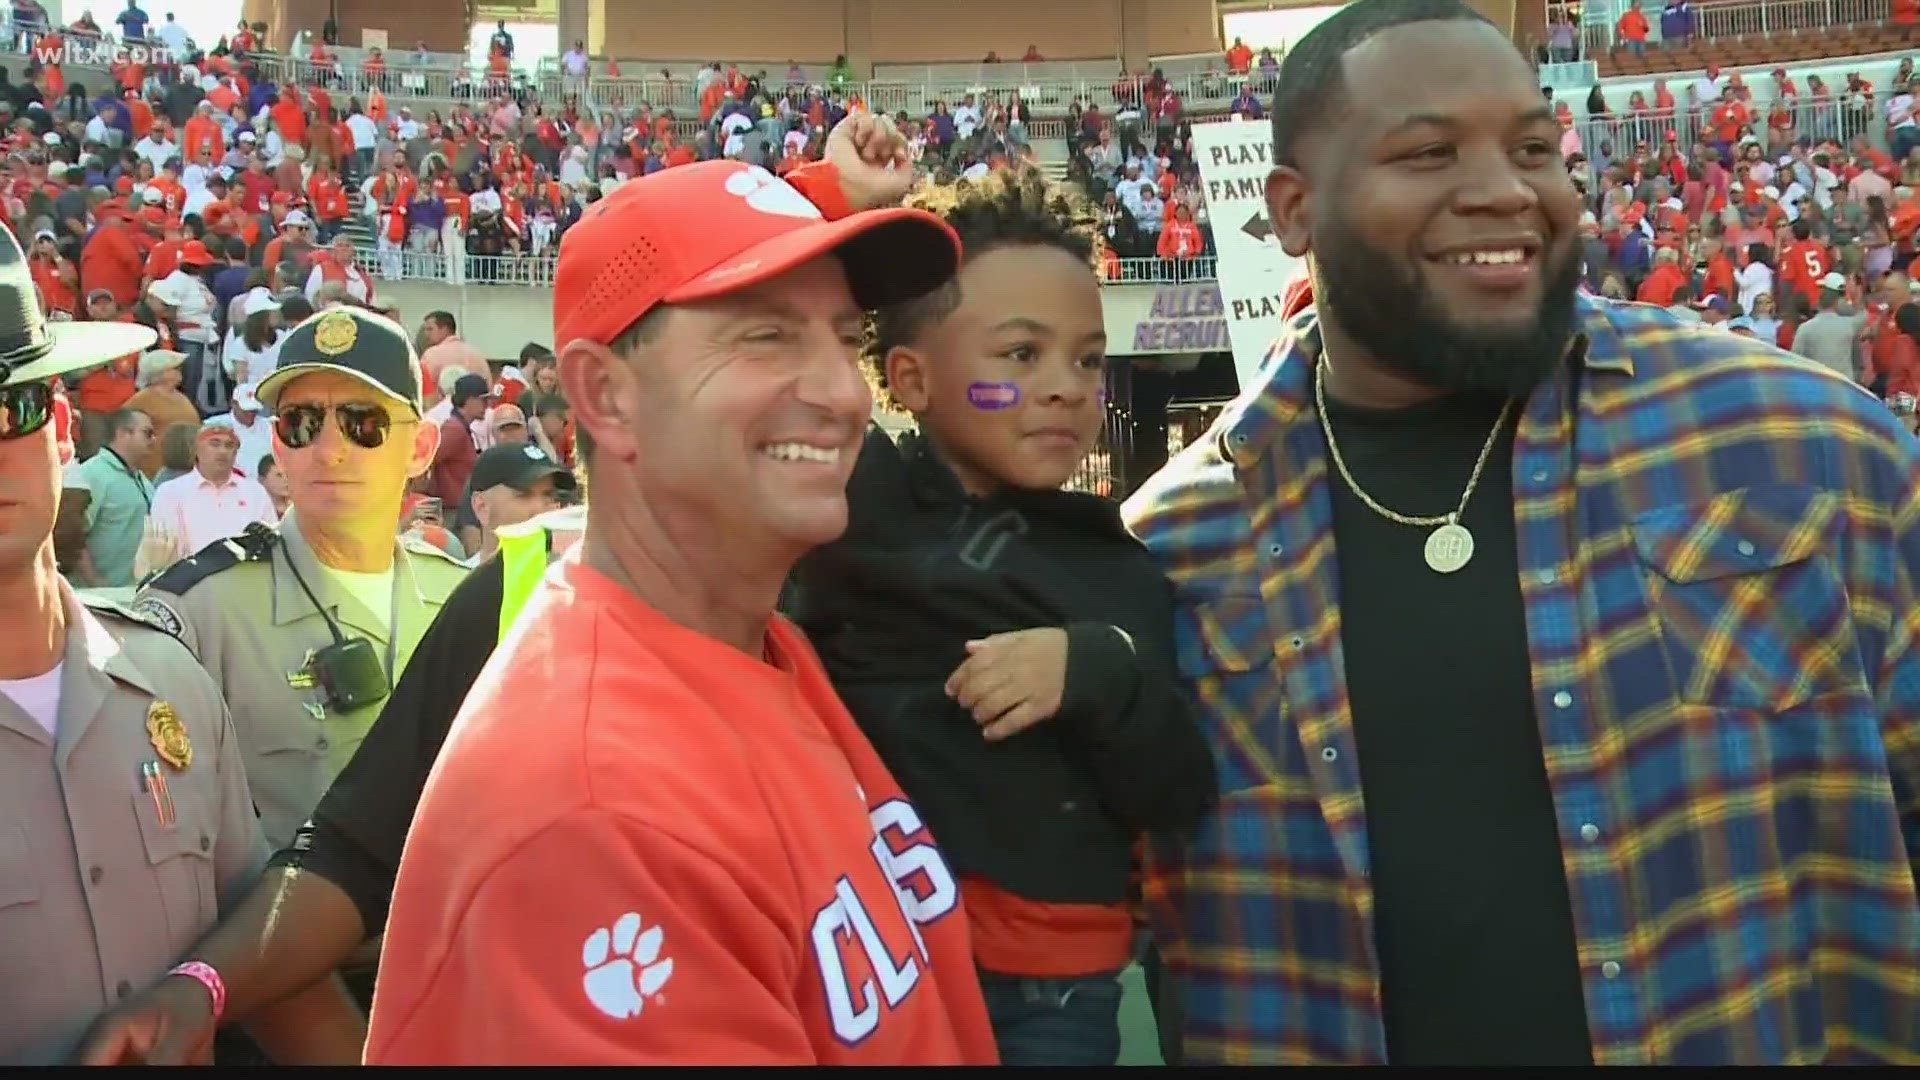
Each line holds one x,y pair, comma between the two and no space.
993,395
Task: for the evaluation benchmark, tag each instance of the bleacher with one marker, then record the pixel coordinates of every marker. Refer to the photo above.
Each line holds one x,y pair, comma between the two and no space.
1741,33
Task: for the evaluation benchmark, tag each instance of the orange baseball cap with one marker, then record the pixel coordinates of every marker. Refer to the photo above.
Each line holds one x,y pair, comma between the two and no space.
695,232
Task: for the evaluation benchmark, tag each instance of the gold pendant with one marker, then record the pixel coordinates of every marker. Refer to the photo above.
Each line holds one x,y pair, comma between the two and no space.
1449,548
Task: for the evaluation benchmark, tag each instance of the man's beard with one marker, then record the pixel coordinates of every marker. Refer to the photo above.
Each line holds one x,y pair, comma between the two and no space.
1385,307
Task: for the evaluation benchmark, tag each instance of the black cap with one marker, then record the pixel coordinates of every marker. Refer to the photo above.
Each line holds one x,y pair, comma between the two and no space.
468,387
352,341
518,467
34,350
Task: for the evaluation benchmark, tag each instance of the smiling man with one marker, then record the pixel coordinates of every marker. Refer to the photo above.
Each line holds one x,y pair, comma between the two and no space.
655,835
1558,656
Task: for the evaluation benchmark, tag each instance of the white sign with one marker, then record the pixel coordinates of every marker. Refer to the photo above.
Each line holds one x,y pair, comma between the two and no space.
1235,157
371,38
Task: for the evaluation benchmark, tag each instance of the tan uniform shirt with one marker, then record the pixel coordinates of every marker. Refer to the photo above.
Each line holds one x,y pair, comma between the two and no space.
101,891
253,628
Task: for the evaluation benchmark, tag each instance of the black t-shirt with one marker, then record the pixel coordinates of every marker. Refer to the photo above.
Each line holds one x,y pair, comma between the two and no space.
1472,916
358,829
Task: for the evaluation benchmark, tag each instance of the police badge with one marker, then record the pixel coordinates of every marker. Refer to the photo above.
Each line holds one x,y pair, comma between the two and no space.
168,735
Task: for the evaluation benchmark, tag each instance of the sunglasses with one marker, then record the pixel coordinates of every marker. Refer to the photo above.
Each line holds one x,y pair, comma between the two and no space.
25,409
364,424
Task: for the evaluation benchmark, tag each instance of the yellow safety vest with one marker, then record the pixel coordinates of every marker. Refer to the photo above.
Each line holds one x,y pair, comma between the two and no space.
524,554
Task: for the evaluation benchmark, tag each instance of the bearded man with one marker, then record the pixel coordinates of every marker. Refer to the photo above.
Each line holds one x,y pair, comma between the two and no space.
1558,656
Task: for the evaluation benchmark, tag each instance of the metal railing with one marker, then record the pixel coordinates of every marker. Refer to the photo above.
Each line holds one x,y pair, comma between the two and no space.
1742,18
459,268
1732,18
1821,120
1157,271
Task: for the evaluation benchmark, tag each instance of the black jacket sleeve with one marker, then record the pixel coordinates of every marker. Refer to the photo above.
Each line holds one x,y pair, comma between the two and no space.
357,831
1135,728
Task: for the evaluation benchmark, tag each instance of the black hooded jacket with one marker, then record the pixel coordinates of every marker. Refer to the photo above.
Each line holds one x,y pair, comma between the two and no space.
1049,814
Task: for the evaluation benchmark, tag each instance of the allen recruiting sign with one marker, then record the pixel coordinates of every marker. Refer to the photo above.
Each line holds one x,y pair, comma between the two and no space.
1235,157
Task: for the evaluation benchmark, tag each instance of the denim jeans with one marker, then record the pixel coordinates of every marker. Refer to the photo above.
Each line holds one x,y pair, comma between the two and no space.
1072,1021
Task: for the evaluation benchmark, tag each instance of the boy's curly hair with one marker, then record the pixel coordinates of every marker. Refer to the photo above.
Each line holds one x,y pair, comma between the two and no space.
1008,207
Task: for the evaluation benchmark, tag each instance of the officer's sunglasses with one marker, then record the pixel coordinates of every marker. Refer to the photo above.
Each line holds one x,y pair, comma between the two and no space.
364,424
25,409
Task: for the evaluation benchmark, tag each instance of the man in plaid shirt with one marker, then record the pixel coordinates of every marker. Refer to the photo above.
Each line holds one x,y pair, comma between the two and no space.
1558,658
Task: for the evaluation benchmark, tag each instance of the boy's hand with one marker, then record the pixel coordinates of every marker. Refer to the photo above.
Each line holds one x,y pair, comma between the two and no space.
1010,682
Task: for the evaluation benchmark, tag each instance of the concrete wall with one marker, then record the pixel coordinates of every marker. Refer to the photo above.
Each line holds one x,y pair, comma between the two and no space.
904,31
442,24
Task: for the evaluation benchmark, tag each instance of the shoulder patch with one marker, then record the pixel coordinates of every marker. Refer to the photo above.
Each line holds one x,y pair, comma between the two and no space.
148,611
419,546
210,560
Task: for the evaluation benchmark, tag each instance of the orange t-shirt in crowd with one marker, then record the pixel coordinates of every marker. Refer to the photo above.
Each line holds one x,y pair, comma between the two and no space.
139,116
642,846
290,118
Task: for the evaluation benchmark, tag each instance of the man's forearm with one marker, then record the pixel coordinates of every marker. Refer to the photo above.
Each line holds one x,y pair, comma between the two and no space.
291,932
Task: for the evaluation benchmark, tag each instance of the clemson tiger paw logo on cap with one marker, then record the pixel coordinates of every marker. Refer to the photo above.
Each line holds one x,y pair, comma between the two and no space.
769,194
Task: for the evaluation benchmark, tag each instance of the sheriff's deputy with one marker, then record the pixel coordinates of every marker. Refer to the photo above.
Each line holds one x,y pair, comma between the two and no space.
306,625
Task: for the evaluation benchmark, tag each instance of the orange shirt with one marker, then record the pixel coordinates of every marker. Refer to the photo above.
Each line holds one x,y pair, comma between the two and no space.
1016,936
1802,264
50,276
164,259
201,139
691,856
139,116
329,198
291,120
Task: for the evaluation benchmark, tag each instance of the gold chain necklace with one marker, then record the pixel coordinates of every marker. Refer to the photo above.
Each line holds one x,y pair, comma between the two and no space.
1449,545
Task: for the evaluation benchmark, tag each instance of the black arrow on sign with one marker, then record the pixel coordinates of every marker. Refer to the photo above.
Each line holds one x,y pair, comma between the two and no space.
1258,227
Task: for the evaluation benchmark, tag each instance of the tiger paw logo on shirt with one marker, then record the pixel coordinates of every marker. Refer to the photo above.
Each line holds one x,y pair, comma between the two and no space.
625,970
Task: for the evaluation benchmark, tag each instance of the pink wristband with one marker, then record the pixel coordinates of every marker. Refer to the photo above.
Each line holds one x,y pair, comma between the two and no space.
204,974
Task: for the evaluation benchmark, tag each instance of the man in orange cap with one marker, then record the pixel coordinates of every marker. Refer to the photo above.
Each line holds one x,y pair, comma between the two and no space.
694,856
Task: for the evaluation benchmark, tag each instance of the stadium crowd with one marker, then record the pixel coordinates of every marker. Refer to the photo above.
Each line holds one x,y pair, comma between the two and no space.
1781,221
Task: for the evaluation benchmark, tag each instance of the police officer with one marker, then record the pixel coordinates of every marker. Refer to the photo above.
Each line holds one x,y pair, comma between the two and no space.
306,625
126,826
327,894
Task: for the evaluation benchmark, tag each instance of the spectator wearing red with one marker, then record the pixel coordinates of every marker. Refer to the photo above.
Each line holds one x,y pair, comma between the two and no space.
288,116
1804,263
1665,280
292,242
453,459
114,258
107,389
1180,238
201,138
327,197
1239,58
335,266
1902,369
54,275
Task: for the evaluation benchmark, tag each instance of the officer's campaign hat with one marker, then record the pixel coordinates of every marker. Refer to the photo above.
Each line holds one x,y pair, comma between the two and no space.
35,350
352,341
